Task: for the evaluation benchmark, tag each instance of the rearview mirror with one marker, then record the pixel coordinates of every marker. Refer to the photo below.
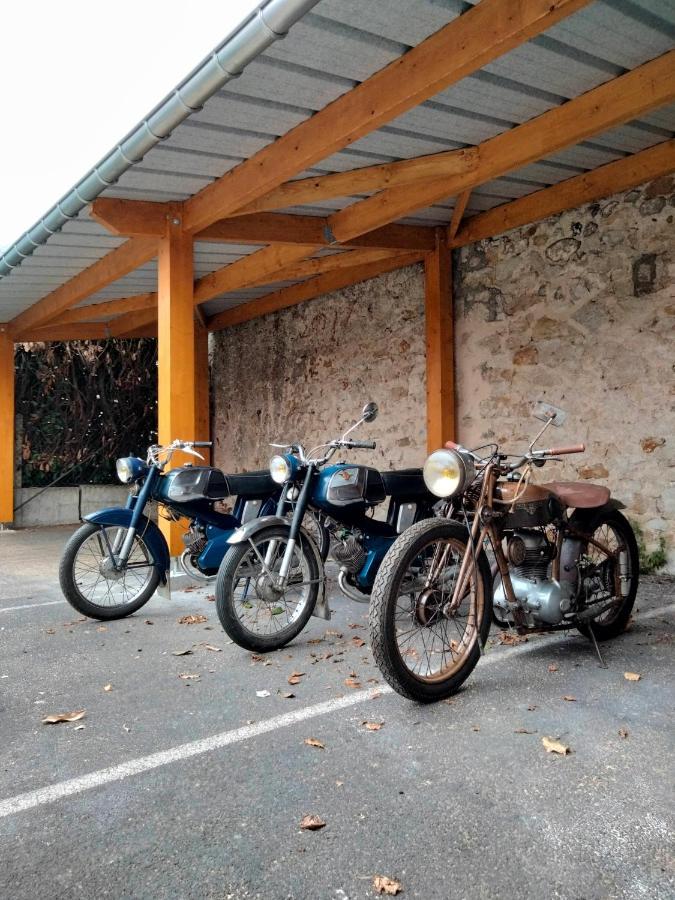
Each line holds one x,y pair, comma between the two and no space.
370,412
546,412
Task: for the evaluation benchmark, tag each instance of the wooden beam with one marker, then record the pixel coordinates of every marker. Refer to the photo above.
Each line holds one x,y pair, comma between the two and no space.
256,268
309,268
465,45
129,324
75,331
280,228
458,213
107,309
308,290
602,182
176,350
617,101
7,449
202,389
439,324
114,265
133,217
364,180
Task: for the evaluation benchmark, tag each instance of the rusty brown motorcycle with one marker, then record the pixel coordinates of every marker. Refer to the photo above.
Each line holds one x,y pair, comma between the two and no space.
563,556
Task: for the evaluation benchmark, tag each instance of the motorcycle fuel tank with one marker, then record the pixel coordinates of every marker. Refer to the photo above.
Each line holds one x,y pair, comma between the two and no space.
348,486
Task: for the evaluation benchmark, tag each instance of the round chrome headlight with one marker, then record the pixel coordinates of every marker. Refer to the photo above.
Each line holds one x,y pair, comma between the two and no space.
448,472
280,470
125,471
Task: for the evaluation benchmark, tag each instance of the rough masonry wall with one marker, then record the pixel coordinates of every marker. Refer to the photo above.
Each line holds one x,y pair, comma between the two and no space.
304,374
579,310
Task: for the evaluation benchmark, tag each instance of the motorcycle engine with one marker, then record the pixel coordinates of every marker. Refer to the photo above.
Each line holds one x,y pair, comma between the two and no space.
194,540
348,550
529,553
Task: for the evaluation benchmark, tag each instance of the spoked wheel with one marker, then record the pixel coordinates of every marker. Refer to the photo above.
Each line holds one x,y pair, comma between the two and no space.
91,583
608,581
252,609
425,648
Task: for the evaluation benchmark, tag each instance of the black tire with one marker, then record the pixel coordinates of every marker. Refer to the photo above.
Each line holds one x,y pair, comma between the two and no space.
226,585
606,628
383,606
71,589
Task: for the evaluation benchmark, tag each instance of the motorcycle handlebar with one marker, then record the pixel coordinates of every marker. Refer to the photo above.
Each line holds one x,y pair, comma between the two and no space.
202,443
360,445
561,451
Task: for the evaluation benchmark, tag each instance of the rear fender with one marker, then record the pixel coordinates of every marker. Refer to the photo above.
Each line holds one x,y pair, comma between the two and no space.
153,537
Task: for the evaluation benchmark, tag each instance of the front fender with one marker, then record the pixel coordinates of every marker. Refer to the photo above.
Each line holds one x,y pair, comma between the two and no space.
153,537
244,532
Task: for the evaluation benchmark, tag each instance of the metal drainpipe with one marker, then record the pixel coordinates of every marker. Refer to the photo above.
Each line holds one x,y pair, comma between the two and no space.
266,25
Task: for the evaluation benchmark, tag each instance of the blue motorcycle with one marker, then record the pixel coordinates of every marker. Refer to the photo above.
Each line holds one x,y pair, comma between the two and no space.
272,578
116,560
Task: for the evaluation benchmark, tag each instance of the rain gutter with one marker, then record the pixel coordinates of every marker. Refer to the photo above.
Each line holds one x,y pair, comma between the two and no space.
264,26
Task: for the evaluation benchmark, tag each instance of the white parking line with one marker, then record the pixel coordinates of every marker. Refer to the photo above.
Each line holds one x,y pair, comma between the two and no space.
54,792
31,605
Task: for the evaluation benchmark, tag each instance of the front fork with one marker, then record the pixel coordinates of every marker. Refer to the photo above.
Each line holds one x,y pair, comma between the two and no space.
120,554
296,523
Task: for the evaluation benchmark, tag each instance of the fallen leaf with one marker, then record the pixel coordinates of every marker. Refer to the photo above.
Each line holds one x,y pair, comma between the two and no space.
623,732
339,783
192,619
287,695
569,698
100,628
189,589
257,658
78,728
524,731
181,652
211,598
51,631
354,625
510,638
375,695
55,718
553,668
331,633
189,676
632,676
475,727
373,726
212,647
384,885
315,641
107,688
148,622
532,707
262,693
74,622
551,745
313,742
352,683
357,641
312,823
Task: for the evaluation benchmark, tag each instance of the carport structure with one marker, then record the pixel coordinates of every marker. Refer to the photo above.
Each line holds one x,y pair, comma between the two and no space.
373,136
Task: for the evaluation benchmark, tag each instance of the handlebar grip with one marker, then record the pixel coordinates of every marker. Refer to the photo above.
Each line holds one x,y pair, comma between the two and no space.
561,451
362,445
202,444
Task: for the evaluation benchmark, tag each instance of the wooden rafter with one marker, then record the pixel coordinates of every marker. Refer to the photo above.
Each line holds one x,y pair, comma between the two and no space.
108,309
76,331
308,290
132,322
458,213
610,179
114,265
610,104
465,45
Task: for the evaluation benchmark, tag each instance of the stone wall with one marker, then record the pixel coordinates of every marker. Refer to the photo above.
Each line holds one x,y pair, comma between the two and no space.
579,310
304,374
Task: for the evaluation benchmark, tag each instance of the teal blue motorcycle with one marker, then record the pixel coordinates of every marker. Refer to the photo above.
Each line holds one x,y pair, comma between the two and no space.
118,558
272,578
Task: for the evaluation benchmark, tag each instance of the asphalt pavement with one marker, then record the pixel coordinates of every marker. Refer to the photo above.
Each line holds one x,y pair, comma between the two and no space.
189,776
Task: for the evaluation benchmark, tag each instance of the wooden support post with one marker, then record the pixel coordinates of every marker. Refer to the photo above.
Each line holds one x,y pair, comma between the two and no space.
440,345
6,425
175,349
202,399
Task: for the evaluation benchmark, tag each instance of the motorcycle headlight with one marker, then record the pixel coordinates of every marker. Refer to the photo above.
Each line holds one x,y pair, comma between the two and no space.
280,469
448,472
130,469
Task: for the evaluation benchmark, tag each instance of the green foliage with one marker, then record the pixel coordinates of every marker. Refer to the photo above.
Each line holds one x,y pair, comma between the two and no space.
84,403
650,560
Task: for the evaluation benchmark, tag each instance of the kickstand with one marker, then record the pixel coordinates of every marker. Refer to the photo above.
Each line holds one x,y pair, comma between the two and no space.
603,664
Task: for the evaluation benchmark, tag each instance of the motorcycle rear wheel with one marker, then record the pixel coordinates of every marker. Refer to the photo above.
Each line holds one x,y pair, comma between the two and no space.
89,582
448,646
254,616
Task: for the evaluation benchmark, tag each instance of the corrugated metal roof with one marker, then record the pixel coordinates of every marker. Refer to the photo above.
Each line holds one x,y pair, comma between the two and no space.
333,48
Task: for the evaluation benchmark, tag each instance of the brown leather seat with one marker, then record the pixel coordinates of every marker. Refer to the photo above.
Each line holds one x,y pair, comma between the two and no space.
578,494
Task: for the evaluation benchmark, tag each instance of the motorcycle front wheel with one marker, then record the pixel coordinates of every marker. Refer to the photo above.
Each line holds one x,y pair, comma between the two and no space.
424,649
254,612
90,582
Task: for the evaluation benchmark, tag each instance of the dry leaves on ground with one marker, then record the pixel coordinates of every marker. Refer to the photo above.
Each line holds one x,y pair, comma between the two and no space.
55,718
313,742
531,707
373,726
192,619
294,677
632,676
331,633
262,693
148,622
475,727
358,642
352,683
510,637
181,652
212,647
189,676
287,695
107,688
623,732
354,625
553,668
551,745
570,698
312,823
384,885
524,731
